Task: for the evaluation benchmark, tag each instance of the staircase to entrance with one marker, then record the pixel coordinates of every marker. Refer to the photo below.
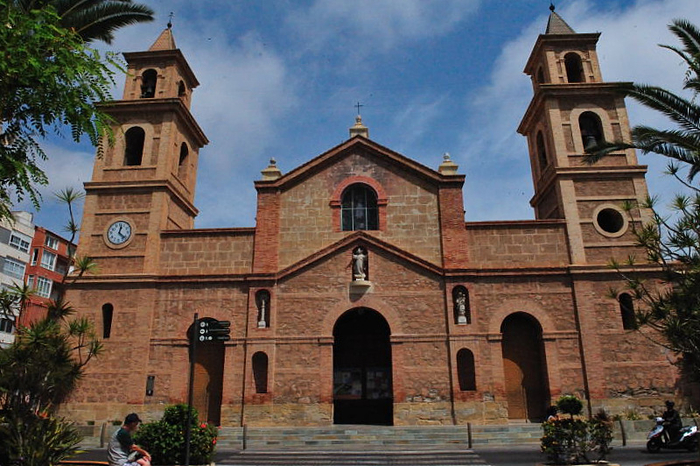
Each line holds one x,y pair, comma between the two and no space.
362,437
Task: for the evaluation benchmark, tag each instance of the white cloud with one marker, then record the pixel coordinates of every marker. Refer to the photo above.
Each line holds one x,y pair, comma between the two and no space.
66,167
417,118
361,26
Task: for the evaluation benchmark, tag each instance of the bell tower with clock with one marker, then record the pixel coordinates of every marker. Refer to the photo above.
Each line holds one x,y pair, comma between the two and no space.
145,182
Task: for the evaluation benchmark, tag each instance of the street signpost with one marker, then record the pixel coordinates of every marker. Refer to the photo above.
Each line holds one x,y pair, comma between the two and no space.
213,330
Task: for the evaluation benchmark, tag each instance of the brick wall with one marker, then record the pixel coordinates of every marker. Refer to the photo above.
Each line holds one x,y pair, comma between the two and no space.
411,214
205,252
534,243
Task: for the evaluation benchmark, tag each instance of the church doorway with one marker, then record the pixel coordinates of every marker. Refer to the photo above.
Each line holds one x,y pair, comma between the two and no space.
208,380
362,385
525,367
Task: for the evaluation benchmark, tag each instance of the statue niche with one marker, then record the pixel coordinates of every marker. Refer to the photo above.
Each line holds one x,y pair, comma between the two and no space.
262,302
460,300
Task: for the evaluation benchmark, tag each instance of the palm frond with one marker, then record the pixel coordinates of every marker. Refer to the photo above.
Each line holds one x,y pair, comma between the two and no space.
595,153
689,35
685,113
94,19
99,20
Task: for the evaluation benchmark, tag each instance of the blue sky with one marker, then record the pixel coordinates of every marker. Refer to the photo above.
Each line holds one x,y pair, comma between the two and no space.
280,78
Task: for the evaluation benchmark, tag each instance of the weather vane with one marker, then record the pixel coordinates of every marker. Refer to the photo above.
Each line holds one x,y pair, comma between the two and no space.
170,20
551,6
358,105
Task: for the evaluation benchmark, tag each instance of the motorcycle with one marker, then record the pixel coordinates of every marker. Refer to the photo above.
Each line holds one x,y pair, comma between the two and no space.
687,438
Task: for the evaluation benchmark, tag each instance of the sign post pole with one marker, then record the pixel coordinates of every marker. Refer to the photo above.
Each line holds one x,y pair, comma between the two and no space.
190,389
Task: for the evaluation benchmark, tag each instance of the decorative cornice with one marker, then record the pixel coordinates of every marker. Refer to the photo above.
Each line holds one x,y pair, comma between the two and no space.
364,146
175,105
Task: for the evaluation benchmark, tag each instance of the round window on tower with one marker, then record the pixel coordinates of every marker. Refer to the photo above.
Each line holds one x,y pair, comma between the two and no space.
610,221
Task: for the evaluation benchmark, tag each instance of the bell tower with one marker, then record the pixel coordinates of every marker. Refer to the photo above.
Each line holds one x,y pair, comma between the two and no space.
572,109
145,182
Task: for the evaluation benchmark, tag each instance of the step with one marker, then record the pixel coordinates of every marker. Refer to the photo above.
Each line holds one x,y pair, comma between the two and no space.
341,458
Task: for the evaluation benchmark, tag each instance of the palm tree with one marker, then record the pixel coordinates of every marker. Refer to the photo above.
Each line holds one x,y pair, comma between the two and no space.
94,19
682,143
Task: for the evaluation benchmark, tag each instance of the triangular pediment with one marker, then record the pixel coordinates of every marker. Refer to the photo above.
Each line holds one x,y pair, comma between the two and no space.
368,148
360,238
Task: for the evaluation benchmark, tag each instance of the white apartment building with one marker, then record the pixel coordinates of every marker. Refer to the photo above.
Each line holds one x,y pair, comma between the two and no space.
15,242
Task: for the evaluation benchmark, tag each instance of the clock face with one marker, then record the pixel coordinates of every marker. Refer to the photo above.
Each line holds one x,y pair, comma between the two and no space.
119,232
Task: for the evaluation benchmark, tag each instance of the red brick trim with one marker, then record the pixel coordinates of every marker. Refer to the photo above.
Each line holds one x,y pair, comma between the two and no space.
526,306
337,197
367,301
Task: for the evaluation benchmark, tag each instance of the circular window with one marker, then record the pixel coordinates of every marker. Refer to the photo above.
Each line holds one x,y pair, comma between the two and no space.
610,221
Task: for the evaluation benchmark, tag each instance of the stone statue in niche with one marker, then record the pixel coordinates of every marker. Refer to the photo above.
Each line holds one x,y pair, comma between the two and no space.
461,306
263,307
359,264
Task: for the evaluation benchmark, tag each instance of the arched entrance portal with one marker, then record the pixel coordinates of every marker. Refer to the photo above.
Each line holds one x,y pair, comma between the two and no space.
208,380
362,392
525,367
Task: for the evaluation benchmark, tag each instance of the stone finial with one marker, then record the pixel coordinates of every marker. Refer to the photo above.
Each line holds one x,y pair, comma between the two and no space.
448,167
271,173
359,129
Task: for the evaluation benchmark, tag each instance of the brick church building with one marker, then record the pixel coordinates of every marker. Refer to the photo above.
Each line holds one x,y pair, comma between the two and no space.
361,295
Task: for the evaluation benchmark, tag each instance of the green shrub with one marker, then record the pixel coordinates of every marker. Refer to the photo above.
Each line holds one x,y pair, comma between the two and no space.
574,440
165,439
600,434
569,404
37,441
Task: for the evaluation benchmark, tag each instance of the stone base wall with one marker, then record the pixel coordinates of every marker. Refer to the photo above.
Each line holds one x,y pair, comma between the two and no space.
110,413
423,414
481,412
289,414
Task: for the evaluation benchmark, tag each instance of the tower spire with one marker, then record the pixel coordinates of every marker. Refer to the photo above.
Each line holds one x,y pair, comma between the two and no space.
556,24
165,41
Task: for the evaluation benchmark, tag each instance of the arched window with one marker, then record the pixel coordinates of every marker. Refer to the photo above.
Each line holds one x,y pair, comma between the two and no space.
260,372
148,84
540,75
107,316
466,373
133,153
574,68
591,129
182,163
181,89
460,300
627,312
359,208
541,152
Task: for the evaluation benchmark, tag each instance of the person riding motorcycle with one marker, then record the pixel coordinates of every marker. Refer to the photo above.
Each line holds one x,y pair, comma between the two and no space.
672,422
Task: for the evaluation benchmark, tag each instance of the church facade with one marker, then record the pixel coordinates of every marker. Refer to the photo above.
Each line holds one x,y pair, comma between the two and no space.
361,295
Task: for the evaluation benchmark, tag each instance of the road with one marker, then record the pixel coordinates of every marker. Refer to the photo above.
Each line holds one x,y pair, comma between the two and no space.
630,455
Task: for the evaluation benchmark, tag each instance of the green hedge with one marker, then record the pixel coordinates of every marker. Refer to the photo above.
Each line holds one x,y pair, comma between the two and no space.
165,439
